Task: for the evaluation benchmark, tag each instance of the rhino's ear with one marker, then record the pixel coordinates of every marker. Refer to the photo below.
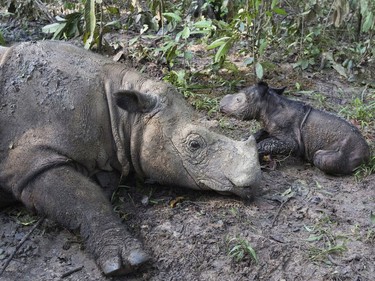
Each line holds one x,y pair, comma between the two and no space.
278,91
133,101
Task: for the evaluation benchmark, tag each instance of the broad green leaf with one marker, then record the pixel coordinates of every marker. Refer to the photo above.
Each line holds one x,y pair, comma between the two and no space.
262,47
368,23
185,33
188,55
203,24
178,36
279,11
248,61
253,253
113,10
59,31
133,40
230,66
51,28
90,20
173,16
313,238
364,7
2,41
222,51
218,43
259,70
372,217
339,68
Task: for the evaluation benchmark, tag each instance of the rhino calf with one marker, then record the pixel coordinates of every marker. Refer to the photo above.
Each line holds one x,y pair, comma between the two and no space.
291,127
71,122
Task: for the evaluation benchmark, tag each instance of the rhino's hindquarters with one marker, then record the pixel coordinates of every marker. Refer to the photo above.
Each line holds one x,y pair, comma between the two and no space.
339,162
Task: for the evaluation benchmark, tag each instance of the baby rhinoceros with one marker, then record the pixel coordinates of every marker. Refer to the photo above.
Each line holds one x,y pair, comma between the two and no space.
72,122
292,127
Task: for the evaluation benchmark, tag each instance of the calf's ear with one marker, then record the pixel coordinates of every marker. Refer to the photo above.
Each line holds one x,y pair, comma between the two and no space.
278,91
263,87
134,101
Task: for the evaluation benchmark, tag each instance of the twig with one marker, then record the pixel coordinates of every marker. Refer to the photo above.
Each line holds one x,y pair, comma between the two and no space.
44,9
66,274
21,243
279,210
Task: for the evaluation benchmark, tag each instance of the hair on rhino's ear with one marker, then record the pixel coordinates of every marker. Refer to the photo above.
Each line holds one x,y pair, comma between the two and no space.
134,101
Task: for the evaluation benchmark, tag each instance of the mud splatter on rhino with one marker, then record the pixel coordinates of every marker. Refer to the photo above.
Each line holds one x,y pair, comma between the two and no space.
72,122
329,142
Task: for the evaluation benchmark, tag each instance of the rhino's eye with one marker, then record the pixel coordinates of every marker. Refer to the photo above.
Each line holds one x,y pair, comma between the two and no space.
238,100
195,142
194,145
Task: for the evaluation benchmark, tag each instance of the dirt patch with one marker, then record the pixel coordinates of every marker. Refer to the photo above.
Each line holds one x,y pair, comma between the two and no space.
302,224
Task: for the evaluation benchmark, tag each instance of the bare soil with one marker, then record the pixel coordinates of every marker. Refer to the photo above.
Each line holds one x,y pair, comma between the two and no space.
302,223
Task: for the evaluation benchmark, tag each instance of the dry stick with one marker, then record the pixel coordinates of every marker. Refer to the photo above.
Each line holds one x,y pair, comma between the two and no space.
70,272
279,210
44,10
20,244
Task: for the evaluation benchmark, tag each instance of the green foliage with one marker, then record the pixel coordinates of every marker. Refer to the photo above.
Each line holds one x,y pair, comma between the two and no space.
65,28
87,21
365,170
22,9
325,242
181,80
317,27
358,110
240,248
2,41
252,27
336,34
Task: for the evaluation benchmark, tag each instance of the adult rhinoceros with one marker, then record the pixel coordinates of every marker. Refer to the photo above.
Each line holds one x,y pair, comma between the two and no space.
72,121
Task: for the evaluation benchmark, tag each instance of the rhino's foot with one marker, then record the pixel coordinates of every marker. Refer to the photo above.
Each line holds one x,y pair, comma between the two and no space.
116,252
113,264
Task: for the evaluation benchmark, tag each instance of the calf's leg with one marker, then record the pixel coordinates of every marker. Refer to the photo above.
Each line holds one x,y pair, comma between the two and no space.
76,202
6,199
333,162
276,146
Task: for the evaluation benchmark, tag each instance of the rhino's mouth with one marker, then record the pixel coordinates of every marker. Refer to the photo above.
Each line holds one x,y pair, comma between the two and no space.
246,192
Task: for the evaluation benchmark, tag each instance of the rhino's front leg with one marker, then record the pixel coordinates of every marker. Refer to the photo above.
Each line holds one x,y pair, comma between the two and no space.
275,146
6,198
76,202
261,135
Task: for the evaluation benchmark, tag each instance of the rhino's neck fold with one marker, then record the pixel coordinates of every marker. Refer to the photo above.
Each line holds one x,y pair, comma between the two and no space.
269,106
136,130
118,131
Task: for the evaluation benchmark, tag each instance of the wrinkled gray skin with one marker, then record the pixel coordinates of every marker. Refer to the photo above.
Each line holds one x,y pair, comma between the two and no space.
71,122
291,127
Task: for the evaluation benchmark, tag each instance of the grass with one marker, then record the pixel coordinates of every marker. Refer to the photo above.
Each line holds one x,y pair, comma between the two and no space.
365,170
240,248
360,111
325,242
324,254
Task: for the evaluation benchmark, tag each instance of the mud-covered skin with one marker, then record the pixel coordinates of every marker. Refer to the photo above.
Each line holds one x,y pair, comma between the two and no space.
291,127
71,122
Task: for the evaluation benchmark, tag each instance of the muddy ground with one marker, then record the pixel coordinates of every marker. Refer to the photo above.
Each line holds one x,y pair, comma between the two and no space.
302,224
